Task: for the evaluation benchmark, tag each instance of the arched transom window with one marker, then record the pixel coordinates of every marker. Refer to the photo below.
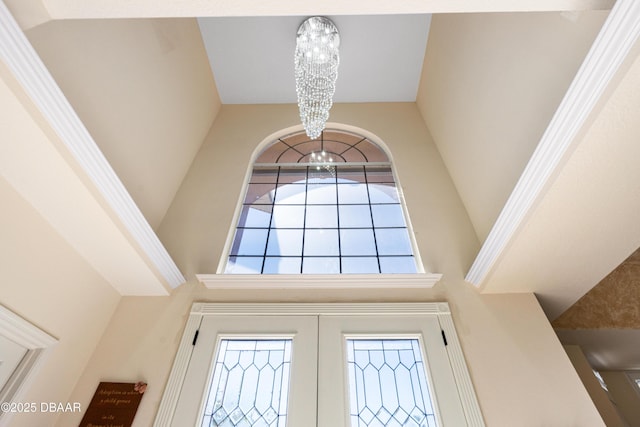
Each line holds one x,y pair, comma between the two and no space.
323,206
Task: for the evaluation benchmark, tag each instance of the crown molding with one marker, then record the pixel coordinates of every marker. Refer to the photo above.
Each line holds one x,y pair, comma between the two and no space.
319,281
614,42
29,70
100,9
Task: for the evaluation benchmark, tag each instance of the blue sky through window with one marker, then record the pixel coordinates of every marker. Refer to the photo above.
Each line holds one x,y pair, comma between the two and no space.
328,218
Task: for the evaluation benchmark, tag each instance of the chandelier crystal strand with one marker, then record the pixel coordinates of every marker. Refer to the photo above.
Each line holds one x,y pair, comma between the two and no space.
316,70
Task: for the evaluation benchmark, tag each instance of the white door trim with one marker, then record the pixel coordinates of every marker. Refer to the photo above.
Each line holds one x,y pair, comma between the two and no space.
36,341
441,310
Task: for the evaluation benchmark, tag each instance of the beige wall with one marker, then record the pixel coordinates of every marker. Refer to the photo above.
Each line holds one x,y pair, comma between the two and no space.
196,227
511,350
625,396
606,408
490,84
46,282
144,90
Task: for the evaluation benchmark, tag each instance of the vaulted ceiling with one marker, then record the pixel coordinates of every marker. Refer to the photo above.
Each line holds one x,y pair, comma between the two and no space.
605,322
491,79
611,304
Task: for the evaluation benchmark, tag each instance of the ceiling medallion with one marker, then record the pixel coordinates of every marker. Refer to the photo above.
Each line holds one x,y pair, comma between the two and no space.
316,70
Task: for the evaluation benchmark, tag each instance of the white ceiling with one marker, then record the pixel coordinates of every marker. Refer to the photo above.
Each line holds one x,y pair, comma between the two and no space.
380,57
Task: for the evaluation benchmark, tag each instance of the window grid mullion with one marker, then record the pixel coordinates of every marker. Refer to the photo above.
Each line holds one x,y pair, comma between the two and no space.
379,173
273,202
304,219
338,223
373,226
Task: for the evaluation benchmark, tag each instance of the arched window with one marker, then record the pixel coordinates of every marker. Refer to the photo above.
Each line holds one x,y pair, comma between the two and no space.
323,206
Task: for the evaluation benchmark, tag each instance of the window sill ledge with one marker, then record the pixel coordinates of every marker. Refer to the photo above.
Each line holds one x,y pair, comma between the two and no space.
319,281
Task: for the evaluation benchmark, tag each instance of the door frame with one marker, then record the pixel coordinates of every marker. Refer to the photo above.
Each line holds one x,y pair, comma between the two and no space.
440,310
37,343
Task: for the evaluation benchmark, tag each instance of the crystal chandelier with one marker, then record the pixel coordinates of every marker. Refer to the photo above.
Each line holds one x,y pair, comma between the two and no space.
316,69
323,161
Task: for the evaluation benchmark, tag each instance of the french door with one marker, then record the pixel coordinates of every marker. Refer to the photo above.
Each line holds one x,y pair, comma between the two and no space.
289,398
385,370
303,365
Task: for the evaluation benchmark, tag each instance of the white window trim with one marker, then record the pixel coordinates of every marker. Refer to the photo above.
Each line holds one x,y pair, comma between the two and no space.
318,281
220,280
199,310
36,341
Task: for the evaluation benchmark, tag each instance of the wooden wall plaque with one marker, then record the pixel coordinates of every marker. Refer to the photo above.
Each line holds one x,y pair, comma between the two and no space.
113,405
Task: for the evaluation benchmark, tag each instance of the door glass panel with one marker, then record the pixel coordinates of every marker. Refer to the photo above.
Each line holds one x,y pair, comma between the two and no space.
388,384
250,384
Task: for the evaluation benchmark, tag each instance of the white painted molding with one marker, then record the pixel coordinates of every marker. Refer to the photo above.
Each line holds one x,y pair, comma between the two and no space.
101,9
36,341
178,371
329,126
199,310
327,309
22,332
614,42
32,74
460,370
318,281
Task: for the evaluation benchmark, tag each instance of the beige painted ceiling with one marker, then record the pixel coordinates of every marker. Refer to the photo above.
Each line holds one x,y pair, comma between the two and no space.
137,74
614,303
586,224
490,85
605,322
502,74
143,89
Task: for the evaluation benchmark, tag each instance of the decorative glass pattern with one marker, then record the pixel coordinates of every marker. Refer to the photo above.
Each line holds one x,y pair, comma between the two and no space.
343,147
388,384
322,207
250,384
